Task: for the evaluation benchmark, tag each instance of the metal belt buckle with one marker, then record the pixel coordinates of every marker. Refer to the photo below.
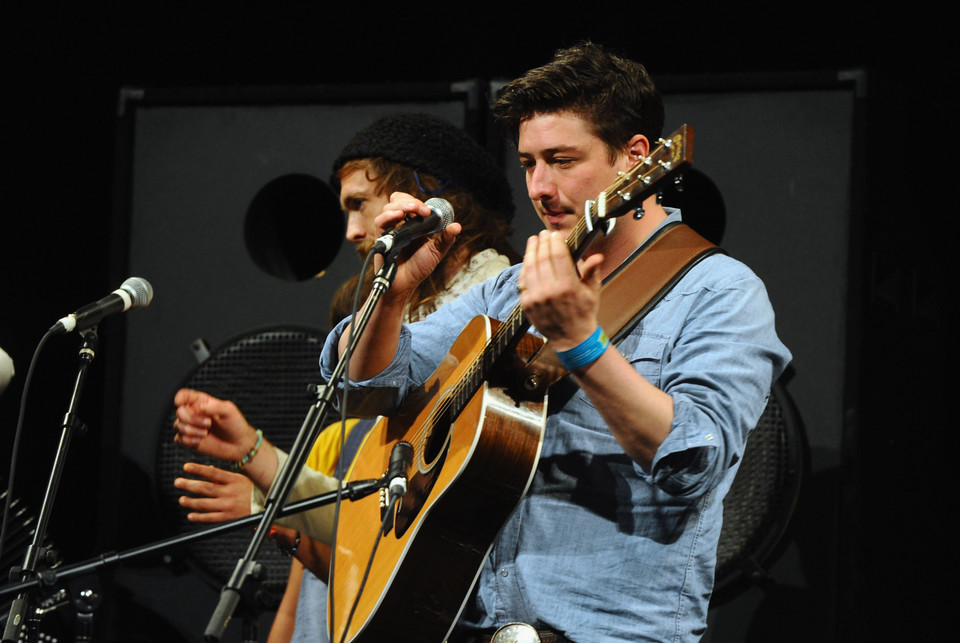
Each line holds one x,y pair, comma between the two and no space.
516,633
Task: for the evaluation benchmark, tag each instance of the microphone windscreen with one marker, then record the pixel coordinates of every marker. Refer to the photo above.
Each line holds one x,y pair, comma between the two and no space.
443,208
140,290
6,369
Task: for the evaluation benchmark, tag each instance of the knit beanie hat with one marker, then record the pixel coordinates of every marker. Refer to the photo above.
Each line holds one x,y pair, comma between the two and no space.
439,148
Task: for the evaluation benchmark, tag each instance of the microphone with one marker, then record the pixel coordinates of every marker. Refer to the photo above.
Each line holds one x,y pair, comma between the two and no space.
441,215
134,293
400,458
6,369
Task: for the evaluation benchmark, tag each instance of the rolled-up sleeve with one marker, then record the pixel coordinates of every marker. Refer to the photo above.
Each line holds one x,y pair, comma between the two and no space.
422,346
719,369
317,523
379,395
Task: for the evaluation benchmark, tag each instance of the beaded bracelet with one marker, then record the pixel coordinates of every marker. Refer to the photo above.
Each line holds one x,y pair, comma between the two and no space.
251,454
289,551
587,352
296,545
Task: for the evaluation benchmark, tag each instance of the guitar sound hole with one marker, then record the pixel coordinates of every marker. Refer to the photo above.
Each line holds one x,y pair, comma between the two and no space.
436,439
432,455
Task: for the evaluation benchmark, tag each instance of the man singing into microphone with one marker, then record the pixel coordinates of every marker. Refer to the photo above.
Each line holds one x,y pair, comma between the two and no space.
616,537
416,153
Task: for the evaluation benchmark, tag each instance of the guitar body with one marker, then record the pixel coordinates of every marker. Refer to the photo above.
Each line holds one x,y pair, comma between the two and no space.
468,473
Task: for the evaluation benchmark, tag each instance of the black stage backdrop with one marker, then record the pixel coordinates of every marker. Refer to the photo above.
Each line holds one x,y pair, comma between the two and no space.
829,148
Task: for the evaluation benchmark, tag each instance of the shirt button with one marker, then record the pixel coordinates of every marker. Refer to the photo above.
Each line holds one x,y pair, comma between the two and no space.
708,436
504,573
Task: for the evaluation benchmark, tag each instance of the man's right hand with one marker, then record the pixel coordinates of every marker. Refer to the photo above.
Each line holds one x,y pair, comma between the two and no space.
420,258
212,426
378,344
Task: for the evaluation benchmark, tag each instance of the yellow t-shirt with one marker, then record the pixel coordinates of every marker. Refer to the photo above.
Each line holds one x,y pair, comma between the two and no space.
325,453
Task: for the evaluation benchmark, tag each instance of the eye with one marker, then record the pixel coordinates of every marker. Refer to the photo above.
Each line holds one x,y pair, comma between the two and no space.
353,204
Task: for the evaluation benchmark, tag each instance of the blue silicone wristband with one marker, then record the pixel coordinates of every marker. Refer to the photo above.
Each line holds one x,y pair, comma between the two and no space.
587,352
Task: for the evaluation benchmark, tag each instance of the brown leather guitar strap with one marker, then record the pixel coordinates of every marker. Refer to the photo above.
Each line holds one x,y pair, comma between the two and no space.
638,285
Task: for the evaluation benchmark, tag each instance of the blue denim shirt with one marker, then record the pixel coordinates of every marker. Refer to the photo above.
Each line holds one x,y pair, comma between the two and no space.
310,622
599,549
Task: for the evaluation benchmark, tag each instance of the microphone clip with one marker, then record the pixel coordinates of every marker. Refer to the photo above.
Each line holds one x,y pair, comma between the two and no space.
395,487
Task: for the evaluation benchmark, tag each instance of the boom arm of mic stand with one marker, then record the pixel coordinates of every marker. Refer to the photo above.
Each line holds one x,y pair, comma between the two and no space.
230,594
351,490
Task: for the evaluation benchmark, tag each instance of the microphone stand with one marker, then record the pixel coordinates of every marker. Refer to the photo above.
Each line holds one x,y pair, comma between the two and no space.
351,490
85,594
36,554
247,566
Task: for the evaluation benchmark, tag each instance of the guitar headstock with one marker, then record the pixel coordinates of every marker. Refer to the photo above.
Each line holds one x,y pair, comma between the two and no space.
666,161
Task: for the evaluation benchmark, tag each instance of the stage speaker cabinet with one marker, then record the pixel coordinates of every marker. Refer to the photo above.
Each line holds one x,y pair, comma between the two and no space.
782,158
224,204
778,182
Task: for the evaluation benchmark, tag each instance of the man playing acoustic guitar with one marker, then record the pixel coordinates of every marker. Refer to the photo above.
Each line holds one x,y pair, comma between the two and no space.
613,535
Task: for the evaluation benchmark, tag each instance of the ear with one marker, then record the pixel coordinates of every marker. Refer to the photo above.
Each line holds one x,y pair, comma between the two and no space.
639,146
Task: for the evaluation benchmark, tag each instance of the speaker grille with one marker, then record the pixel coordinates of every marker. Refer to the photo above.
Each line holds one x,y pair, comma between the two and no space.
764,493
267,374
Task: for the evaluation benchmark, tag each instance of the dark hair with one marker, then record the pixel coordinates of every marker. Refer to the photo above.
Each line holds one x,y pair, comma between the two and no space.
614,95
482,228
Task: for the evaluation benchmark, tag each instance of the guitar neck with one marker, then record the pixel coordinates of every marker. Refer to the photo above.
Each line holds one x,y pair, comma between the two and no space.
503,340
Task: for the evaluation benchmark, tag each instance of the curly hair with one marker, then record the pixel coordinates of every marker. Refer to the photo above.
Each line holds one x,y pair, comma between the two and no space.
482,227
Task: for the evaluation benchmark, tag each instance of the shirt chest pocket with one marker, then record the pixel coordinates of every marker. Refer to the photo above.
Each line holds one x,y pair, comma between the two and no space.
645,352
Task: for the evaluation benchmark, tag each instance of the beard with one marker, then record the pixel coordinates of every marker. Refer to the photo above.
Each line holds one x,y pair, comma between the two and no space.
363,248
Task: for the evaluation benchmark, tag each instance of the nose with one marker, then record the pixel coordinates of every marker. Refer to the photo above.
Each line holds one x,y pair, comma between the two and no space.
356,228
540,185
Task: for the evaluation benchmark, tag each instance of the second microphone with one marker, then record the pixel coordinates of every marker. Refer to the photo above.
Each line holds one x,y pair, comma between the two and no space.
441,215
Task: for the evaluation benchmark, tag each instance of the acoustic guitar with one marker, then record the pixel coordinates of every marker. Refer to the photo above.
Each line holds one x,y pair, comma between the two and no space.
476,428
